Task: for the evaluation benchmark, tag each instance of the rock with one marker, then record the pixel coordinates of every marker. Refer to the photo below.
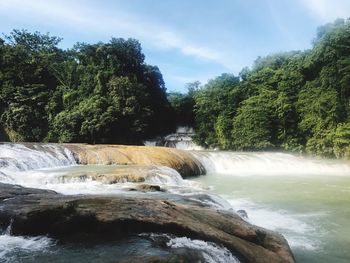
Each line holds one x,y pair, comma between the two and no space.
242,213
149,188
180,160
173,258
119,174
10,191
41,212
126,173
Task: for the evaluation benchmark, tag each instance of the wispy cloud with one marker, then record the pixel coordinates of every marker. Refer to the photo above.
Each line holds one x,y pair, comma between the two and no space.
85,18
188,79
328,10
279,23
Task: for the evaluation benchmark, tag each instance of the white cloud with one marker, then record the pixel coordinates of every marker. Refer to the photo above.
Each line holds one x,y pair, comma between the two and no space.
329,10
83,18
186,79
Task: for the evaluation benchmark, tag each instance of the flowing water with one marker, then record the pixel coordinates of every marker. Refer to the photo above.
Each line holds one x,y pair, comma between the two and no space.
307,200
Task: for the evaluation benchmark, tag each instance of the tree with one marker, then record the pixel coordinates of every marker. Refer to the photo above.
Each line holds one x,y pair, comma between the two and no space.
183,105
254,126
220,96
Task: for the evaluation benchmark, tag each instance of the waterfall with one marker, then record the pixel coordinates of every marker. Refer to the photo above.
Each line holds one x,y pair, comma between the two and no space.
268,164
181,139
15,158
48,166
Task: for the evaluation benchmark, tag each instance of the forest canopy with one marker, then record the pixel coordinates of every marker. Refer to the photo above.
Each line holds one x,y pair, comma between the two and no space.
96,93
295,101
106,93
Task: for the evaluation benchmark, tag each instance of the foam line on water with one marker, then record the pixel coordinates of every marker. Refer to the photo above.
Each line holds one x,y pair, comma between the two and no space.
54,179
211,252
268,164
298,229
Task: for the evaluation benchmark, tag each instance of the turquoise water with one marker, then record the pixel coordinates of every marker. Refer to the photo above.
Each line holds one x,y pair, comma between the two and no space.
312,212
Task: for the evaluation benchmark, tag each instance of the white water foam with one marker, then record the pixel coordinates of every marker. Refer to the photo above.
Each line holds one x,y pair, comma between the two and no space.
54,179
297,228
34,165
163,175
211,252
268,164
15,158
11,246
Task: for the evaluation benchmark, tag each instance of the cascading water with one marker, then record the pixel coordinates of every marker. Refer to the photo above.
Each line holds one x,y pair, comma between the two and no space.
46,166
181,139
268,164
305,199
16,158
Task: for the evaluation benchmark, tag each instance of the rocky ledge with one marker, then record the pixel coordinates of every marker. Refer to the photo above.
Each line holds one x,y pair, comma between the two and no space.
179,160
122,174
40,212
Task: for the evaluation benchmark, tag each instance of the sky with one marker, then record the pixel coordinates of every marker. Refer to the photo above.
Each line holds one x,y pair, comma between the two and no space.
188,40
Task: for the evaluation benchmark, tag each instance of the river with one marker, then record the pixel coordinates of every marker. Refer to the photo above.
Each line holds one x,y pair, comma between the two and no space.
306,200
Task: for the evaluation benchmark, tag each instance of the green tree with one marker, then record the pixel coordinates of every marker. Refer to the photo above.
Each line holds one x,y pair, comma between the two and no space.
254,126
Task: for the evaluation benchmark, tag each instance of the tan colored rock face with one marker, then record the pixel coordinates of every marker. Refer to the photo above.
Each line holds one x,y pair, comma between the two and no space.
181,161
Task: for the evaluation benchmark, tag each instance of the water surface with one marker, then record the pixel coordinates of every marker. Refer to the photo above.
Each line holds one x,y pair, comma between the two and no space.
312,211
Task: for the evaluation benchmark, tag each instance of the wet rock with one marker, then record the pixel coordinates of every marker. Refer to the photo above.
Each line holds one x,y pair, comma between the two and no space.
148,188
10,191
40,212
120,174
242,213
179,257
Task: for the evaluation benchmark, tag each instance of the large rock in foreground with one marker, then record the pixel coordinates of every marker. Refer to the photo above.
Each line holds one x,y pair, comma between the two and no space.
38,212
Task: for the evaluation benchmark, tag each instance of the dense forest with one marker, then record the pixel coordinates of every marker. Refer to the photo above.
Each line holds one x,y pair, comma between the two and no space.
106,93
96,93
297,101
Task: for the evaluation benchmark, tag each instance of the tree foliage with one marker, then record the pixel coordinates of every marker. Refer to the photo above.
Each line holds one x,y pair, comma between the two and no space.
97,93
292,100
106,93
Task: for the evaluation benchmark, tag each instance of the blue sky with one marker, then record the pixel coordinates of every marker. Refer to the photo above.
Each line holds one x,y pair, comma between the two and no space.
188,40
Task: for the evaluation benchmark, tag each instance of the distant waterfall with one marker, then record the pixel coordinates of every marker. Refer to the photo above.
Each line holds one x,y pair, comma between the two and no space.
268,163
30,156
181,139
